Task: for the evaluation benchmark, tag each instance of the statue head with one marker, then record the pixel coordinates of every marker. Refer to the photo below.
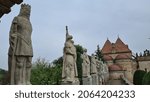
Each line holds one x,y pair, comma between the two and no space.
69,37
84,50
25,10
72,41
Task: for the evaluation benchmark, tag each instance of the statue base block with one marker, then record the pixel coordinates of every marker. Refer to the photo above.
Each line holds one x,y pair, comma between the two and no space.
87,80
94,79
74,82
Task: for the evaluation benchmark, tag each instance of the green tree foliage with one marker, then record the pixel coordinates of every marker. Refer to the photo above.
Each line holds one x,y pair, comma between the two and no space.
58,62
43,74
3,77
79,50
146,79
138,77
99,54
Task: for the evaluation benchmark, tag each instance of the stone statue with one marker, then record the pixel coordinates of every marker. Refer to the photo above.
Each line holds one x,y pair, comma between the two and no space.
98,67
106,72
69,71
94,73
20,51
93,65
85,64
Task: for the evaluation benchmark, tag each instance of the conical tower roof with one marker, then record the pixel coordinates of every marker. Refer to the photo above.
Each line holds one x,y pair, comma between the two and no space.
117,47
107,47
120,46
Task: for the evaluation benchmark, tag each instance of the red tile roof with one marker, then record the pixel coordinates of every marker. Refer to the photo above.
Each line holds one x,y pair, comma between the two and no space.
116,47
107,47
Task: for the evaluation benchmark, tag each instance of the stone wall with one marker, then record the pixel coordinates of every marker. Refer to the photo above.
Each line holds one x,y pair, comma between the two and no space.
144,64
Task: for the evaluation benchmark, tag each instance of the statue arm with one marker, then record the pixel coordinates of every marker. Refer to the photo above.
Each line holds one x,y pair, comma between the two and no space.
13,33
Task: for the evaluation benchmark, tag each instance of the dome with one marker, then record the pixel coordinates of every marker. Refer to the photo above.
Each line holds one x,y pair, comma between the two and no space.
107,58
115,67
122,56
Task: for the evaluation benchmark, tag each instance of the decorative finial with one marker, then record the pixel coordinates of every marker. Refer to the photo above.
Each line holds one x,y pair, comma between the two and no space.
118,36
107,38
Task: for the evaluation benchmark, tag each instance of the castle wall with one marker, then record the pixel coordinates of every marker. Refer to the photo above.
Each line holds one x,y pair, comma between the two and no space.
128,66
109,63
144,64
125,63
115,75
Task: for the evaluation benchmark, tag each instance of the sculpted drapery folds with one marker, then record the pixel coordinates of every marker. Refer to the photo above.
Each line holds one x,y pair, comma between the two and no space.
85,64
20,51
93,65
69,72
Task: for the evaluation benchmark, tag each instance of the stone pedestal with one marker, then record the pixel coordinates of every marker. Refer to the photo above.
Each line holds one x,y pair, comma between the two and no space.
94,79
87,80
75,82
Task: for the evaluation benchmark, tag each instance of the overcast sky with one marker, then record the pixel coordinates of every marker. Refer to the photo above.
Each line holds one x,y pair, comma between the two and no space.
90,22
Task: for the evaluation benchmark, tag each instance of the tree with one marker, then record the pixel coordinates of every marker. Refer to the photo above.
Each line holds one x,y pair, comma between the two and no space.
4,78
99,54
58,62
43,74
79,50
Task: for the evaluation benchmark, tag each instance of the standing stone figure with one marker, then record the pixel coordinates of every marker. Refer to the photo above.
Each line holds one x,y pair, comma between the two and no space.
69,71
20,51
93,65
99,67
85,64
106,72
86,77
94,73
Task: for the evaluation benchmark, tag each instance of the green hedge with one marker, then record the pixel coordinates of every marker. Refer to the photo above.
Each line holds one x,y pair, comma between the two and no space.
146,79
138,77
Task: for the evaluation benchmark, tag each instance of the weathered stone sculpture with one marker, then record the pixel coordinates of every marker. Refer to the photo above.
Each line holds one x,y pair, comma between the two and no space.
69,71
105,72
94,73
20,51
93,65
86,68
85,64
99,72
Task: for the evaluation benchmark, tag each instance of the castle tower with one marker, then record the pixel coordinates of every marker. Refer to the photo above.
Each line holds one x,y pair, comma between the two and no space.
118,57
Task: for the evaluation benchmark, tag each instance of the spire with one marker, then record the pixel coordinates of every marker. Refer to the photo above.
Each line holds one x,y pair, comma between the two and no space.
121,46
107,47
118,36
119,41
107,38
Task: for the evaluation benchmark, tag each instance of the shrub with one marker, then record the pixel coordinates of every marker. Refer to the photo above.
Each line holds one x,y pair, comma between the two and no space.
146,79
138,77
43,74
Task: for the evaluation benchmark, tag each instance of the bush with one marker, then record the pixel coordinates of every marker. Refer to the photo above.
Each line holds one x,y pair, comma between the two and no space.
43,74
146,79
138,77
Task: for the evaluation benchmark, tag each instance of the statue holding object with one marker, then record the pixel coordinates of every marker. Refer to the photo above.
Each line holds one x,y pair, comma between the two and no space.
20,51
